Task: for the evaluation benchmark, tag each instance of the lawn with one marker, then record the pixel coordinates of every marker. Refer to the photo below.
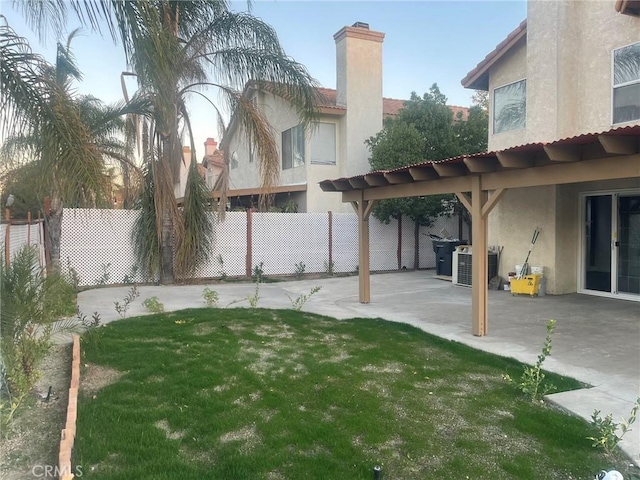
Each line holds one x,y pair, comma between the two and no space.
279,394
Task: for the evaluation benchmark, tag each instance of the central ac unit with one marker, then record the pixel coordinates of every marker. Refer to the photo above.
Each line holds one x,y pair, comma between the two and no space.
462,266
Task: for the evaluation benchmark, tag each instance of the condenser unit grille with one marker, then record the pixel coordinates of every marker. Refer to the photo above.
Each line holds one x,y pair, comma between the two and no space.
465,266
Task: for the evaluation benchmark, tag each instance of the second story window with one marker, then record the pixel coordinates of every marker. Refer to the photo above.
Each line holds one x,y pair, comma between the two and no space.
626,83
293,147
510,107
323,144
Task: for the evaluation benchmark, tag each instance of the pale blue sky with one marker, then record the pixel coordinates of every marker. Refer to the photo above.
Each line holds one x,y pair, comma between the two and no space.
426,42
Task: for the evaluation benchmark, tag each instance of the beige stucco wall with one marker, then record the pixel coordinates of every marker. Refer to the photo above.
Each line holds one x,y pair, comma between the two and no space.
282,116
511,225
568,55
556,210
511,68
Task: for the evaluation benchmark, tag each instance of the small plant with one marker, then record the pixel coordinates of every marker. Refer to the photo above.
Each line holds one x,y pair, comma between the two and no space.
72,275
329,267
122,308
131,276
608,437
299,302
221,273
253,299
532,382
210,297
153,305
300,268
104,279
32,302
258,273
91,325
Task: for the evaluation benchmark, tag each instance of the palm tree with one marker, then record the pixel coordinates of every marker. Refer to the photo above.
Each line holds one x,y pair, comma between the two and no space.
68,138
180,50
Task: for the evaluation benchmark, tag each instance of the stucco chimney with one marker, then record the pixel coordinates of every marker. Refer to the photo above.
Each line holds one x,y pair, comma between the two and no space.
359,89
358,62
210,146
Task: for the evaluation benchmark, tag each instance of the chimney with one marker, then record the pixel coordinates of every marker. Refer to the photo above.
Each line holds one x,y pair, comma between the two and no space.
359,89
210,146
358,62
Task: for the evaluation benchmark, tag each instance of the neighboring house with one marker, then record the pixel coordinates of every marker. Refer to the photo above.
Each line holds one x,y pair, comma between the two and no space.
571,68
212,163
334,146
210,169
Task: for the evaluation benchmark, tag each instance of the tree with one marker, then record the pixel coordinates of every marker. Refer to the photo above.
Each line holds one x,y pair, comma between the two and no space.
60,139
424,130
178,49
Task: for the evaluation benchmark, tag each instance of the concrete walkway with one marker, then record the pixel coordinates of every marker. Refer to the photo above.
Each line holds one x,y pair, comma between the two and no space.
597,340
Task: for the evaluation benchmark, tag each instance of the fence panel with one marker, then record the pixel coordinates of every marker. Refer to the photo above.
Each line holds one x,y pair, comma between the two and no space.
22,235
383,245
229,247
282,240
97,244
345,242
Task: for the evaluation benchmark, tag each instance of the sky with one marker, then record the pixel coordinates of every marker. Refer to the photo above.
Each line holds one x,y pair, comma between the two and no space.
425,42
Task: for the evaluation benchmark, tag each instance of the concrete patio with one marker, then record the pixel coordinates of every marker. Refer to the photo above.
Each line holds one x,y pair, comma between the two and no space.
597,340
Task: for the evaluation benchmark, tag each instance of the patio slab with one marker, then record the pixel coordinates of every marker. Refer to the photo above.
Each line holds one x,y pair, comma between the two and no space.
597,340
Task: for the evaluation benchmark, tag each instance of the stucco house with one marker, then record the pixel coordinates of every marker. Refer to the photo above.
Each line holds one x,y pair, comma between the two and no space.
564,155
571,68
334,146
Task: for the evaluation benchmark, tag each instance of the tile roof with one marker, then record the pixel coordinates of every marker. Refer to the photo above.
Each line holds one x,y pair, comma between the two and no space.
478,77
390,106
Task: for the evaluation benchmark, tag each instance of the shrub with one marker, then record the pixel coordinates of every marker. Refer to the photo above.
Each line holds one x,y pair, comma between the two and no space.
31,304
210,297
153,305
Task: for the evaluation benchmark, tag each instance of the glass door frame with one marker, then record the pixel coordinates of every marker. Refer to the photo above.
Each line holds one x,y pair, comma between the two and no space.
582,248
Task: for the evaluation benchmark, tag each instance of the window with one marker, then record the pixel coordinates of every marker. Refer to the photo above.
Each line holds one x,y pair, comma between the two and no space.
234,160
510,107
626,84
293,147
323,144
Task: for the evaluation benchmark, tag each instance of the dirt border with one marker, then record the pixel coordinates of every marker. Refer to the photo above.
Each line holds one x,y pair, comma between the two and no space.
68,434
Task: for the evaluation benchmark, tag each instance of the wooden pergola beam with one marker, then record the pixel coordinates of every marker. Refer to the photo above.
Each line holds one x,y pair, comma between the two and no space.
558,153
464,200
492,201
397,178
481,165
619,145
450,169
375,180
358,183
515,160
342,185
423,173
413,189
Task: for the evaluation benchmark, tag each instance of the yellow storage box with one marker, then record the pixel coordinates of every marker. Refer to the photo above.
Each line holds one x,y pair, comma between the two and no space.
527,285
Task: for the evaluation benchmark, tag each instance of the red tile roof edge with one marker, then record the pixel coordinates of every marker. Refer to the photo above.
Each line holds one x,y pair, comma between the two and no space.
473,76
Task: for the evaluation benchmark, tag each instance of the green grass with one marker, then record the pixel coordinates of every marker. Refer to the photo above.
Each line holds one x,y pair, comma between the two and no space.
277,394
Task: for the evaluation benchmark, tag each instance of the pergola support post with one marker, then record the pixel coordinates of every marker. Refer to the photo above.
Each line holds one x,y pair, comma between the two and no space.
363,209
479,270
480,205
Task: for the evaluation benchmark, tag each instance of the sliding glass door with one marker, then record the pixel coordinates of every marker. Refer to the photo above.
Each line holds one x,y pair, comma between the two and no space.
611,243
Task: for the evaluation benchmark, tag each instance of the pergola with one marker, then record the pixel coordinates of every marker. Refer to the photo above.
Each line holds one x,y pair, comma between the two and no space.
480,181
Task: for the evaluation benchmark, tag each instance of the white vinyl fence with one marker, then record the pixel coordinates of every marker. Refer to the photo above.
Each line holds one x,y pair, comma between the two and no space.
97,244
21,235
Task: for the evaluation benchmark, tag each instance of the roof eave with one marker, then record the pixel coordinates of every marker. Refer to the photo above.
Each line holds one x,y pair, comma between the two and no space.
478,78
